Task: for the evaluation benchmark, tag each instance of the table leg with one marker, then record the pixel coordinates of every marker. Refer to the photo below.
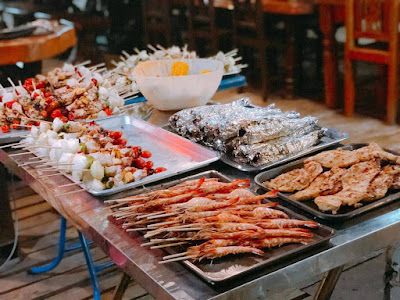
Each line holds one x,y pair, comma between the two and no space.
6,221
328,283
326,24
121,287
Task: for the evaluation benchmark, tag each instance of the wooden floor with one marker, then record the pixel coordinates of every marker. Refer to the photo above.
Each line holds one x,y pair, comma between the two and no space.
39,224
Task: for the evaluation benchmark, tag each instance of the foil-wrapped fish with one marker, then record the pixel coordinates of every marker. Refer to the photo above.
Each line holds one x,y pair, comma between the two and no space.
247,132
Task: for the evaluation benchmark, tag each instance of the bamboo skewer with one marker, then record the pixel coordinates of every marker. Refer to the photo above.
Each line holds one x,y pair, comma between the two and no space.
177,259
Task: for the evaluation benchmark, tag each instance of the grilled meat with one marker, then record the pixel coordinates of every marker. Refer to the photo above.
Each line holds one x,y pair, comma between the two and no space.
327,183
297,179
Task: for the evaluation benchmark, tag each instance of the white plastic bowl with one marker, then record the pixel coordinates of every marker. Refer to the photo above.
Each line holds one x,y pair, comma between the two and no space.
166,92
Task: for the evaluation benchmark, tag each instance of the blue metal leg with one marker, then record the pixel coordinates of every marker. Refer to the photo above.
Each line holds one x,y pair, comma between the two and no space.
60,254
84,243
91,267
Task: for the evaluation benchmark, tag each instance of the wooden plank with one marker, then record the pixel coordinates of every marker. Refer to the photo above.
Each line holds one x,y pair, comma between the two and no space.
36,258
53,285
134,290
34,210
85,291
15,282
43,218
51,226
28,201
48,240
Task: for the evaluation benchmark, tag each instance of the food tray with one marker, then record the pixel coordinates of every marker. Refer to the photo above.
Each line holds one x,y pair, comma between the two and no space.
16,135
233,266
331,137
343,213
168,150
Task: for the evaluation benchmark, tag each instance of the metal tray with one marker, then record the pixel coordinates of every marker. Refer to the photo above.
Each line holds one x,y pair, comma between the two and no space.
233,266
331,137
16,135
343,213
173,152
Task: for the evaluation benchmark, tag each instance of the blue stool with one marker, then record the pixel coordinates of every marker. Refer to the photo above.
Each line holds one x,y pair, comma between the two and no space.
84,243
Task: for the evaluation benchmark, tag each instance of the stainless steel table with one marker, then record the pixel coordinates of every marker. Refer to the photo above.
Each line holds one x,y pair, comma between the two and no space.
355,239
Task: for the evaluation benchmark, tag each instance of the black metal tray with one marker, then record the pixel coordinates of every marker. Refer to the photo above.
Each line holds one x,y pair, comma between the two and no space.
343,213
227,268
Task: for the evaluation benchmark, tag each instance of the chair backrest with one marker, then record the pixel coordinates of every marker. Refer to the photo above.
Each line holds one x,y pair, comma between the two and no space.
248,15
156,22
201,13
371,19
156,11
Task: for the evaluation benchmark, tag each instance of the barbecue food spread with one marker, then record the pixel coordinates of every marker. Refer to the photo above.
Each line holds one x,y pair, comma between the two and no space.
226,218
354,176
98,157
254,135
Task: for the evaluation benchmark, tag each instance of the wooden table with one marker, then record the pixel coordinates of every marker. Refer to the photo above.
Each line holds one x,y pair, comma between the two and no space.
327,25
36,48
32,50
354,239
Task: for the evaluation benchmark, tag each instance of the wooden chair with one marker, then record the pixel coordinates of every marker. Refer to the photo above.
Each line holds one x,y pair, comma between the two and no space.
248,31
157,22
377,20
202,26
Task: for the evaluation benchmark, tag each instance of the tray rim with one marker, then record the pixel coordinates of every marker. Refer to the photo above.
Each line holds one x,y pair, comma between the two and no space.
152,178
323,215
19,133
268,262
249,168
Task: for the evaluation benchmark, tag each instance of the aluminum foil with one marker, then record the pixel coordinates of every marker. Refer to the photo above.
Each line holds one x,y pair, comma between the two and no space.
262,153
228,127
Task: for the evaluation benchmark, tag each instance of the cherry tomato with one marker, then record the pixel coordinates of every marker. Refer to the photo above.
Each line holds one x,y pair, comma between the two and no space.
42,90
68,87
70,116
44,114
136,151
47,94
54,105
56,114
149,164
146,154
159,170
1,98
64,119
29,126
108,111
28,81
35,95
10,104
116,134
37,123
140,163
5,128
94,81
49,99
40,84
15,124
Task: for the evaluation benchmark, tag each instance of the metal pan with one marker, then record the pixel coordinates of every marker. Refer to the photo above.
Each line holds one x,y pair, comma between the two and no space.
345,212
233,266
332,137
138,110
168,150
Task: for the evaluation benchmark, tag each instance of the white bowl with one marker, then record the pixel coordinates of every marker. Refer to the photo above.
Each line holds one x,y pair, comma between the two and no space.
166,92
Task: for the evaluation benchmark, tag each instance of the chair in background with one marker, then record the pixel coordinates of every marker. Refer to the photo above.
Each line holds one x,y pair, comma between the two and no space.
202,26
377,20
248,32
157,22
